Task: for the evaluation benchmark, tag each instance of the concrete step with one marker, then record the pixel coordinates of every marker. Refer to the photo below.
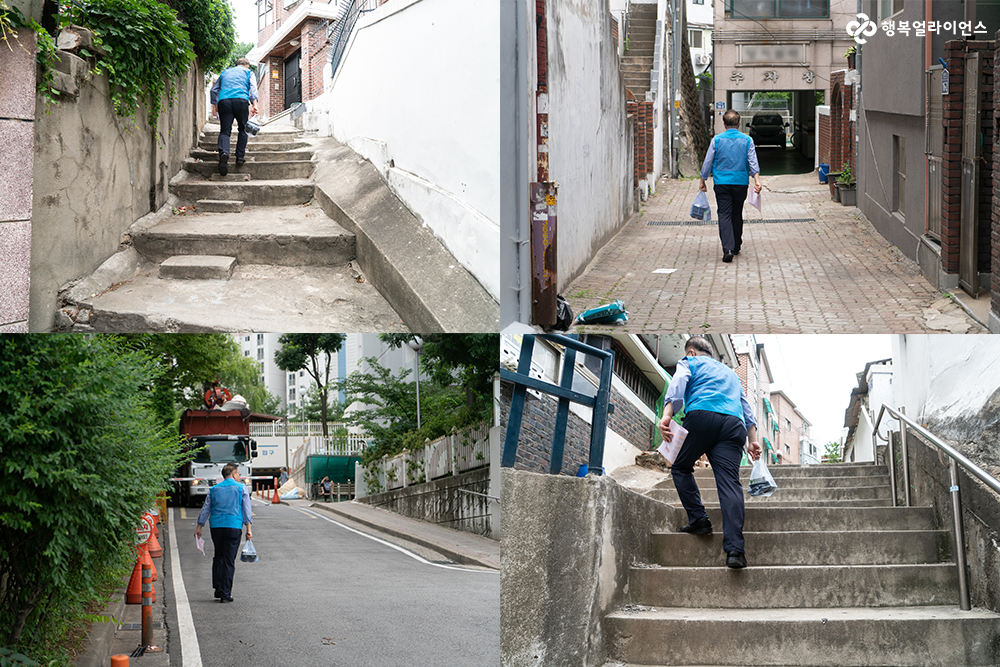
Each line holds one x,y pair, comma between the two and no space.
642,44
874,547
904,636
298,155
230,177
287,135
825,470
769,587
777,501
197,267
795,481
709,494
256,298
253,193
257,171
283,236
766,518
635,68
219,206
255,145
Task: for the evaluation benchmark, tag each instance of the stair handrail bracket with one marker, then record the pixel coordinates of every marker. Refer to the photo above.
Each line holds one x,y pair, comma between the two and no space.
956,459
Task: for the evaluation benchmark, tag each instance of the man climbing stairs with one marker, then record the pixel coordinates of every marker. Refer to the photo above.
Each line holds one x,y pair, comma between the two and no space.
836,577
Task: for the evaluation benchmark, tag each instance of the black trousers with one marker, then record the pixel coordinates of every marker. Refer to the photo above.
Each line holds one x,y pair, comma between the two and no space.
729,200
227,545
229,110
721,438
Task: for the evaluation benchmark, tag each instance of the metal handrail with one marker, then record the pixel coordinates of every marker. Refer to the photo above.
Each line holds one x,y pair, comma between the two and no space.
956,498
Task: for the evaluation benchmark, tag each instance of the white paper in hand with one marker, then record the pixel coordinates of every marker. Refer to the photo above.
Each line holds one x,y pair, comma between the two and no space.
200,544
669,450
754,198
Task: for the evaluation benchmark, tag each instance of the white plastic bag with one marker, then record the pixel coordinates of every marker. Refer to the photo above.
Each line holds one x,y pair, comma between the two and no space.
249,554
761,481
700,210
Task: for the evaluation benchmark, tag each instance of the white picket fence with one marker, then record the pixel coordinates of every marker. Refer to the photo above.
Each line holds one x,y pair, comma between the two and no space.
317,444
448,455
295,429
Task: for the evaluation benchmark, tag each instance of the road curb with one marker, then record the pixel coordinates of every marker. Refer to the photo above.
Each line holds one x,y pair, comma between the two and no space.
100,637
456,556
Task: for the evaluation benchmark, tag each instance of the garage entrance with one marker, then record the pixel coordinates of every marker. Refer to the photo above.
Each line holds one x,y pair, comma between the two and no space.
783,127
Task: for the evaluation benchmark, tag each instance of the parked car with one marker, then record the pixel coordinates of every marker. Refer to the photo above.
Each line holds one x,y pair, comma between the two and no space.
768,129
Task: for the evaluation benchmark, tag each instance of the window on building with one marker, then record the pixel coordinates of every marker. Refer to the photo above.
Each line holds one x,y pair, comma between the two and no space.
788,450
694,39
260,339
773,9
246,339
291,378
788,425
265,13
302,373
291,394
698,2
887,8
246,353
260,356
899,174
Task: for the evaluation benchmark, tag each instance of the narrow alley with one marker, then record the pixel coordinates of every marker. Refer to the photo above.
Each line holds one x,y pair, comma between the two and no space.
808,265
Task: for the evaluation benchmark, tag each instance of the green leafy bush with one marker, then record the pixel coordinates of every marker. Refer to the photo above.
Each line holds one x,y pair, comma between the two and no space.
149,49
210,25
82,456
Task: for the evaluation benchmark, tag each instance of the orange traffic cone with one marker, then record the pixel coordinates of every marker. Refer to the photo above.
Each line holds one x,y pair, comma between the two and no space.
152,566
153,544
275,500
133,594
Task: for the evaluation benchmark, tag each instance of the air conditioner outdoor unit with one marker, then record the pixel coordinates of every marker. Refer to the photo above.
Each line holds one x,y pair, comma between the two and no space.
701,59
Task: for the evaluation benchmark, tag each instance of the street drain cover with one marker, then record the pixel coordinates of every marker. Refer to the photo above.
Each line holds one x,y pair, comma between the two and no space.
746,221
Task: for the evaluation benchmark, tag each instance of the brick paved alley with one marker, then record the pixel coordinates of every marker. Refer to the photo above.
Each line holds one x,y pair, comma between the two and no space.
828,272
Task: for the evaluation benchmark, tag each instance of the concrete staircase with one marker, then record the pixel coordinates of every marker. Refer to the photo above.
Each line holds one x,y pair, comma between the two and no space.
837,577
637,62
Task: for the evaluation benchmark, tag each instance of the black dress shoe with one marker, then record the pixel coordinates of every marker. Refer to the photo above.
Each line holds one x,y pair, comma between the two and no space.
727,256
700,526
240,160
218,593
223,164
224,599
736,560
736,252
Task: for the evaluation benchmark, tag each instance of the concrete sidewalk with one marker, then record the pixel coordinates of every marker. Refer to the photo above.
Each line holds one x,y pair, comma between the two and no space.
808,265
461,547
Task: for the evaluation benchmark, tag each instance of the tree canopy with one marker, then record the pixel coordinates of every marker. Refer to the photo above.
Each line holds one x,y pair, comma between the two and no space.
312,353
83,455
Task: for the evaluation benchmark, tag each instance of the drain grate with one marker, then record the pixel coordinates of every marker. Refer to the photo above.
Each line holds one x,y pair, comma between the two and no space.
679,223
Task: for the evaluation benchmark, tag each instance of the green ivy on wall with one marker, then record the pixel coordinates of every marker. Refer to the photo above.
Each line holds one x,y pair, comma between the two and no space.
210,25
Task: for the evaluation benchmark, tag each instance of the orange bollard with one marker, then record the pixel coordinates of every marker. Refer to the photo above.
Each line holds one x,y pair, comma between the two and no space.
275,500
147,602
152,565
152,569
133,594
120,660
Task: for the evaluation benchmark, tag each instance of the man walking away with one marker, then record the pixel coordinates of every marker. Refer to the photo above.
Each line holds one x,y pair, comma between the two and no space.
718,419
234,96
228,505
732,160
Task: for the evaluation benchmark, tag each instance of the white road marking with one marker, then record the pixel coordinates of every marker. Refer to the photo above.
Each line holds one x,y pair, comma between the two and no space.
395,546
190,651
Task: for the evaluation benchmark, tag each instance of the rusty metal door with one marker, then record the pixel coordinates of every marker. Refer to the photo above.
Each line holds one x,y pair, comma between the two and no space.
968,239
934,134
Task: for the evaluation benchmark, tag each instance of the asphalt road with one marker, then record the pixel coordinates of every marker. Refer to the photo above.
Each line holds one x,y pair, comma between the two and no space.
322,594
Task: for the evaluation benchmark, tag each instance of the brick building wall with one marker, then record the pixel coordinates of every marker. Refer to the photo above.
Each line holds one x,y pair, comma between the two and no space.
951,185
825,130
642,128
995,210
842,128
629,422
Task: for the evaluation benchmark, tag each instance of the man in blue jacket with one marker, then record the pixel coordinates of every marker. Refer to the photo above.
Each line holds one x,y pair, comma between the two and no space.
718,418
228,505
234,96
731,160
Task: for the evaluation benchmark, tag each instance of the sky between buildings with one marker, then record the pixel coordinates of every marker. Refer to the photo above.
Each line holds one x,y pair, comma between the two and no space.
245,13
818,372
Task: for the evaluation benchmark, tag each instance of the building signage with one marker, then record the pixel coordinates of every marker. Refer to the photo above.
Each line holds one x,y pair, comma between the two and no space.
772,54
944,82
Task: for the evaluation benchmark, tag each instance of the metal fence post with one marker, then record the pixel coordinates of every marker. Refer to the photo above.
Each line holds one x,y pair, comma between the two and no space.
956,510
516,405
891,455
906,458
599,427
562,413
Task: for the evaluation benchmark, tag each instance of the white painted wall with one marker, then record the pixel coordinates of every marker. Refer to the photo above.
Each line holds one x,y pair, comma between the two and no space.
417,93
944,378
589,145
